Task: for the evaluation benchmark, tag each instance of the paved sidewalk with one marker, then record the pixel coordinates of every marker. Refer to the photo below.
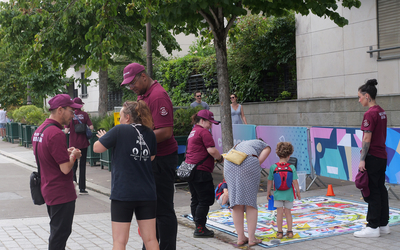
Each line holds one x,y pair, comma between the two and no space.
25,226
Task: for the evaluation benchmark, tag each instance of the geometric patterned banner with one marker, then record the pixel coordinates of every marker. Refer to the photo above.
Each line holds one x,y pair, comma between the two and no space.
336,152
393,152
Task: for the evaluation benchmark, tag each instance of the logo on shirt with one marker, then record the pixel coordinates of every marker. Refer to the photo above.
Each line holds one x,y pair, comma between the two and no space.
383,115
366,123
163,111
192,134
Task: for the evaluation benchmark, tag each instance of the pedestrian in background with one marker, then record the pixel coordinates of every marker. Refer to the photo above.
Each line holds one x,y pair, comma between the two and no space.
3,121
133,188
164,165
237,111
201,151
79,140
373,159
56,162
197,96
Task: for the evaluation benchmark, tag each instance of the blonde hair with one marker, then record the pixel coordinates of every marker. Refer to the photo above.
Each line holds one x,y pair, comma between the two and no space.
139,112
284,149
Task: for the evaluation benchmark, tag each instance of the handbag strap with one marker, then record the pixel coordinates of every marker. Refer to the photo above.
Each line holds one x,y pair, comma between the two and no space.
77,118
245,153
201,162
37,142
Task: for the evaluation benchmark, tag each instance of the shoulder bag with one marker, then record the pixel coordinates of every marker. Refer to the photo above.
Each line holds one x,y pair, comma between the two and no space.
186,171
35,181
82,128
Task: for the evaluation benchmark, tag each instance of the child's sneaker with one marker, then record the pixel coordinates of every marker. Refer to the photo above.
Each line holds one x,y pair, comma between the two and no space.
203,232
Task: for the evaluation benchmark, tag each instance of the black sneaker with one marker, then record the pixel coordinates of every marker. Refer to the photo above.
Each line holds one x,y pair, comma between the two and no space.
203,232
83,192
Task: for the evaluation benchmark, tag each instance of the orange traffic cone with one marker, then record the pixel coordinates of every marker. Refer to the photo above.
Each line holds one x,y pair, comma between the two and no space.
330,191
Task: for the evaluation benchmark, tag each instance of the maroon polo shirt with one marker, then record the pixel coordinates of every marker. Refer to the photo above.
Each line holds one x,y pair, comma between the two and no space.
78,140
162,111
375,120
57,187
198,141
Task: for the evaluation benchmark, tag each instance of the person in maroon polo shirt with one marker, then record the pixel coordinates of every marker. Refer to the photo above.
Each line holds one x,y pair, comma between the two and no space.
201,150
373,160
79,140
164,165
56,162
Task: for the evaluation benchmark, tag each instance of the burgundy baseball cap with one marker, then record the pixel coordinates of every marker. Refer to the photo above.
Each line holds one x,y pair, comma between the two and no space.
206,114
78,100
131,71
362,183
63,100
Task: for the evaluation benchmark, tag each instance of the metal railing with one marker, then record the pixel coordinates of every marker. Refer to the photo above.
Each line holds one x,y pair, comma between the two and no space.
370,51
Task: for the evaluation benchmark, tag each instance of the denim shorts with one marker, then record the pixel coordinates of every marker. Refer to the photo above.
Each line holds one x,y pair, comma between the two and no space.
2,125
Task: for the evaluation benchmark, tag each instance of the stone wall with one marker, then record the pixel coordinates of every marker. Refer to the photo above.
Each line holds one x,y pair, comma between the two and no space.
339,112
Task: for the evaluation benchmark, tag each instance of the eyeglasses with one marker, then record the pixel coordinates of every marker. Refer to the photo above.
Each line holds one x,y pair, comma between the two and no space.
232,97
70,110
198,96
128,86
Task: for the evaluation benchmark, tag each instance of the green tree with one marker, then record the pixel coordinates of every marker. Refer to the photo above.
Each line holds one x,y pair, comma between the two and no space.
217,17
78,33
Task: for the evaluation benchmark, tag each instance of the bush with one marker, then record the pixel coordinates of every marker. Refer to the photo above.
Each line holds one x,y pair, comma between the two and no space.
30,115
106,122
182,122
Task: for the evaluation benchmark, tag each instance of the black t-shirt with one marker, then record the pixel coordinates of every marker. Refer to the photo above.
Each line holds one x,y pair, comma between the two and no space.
131,172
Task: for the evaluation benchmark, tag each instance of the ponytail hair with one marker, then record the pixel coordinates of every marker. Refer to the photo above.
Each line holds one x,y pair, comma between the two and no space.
369,87
196,119
139,112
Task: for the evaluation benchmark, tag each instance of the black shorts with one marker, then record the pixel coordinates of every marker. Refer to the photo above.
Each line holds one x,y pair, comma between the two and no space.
122,211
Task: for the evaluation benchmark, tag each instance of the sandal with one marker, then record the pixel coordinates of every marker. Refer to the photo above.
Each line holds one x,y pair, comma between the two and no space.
242,242
279,235
256,242
289,234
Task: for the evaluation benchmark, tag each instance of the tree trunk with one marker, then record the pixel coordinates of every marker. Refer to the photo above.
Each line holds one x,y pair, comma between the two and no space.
103,92
224,92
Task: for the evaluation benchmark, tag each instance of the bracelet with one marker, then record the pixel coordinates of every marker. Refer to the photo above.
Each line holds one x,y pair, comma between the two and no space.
73,156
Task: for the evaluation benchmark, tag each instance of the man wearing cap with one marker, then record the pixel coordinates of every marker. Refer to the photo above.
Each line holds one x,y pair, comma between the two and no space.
197,96
164,165
79,140
56,161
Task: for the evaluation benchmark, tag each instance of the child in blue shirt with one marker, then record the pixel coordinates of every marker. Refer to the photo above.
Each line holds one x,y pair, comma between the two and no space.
283,200
222,195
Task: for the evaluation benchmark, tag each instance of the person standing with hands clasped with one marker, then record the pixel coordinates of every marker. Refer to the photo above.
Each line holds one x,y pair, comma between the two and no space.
283,199
201,150
79,140
373,159
164,165
56,162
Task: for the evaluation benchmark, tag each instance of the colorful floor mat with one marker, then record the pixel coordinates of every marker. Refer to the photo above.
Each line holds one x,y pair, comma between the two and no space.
313,217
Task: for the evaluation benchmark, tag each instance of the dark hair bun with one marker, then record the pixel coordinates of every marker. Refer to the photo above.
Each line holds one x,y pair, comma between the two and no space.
372,82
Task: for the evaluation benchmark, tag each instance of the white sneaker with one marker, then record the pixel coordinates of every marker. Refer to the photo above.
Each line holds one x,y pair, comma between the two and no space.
367,232
384,230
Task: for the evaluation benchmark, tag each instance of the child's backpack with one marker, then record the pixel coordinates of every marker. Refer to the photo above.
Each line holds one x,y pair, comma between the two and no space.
220,189
283,176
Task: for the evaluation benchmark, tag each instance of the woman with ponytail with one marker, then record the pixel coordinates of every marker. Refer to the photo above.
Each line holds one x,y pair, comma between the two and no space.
373,160
133,187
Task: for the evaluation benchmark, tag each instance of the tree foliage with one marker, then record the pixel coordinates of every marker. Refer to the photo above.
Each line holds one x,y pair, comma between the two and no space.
195,16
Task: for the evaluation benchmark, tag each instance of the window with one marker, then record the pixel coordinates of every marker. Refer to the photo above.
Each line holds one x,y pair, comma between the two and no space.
388,28
83,85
